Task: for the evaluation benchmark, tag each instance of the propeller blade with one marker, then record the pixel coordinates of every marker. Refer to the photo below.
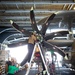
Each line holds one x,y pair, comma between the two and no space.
18,28
33,22
46,24
61,43
55,34
54,47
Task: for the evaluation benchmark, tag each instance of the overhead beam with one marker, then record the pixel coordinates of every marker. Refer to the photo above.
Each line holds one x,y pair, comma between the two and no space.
24,26
29,24
20,17
28,11
23,22
32,3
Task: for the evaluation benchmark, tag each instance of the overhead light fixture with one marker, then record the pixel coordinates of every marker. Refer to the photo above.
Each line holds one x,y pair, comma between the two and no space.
74,8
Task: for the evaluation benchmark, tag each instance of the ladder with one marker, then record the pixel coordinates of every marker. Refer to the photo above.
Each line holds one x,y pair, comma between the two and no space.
43,59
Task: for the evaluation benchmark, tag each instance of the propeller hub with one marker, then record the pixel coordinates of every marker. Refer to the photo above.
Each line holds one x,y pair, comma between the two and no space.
39,37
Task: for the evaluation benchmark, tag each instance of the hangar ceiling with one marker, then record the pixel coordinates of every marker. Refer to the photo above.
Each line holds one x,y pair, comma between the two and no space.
18,11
